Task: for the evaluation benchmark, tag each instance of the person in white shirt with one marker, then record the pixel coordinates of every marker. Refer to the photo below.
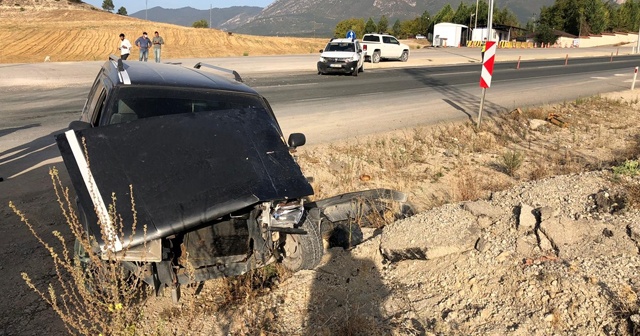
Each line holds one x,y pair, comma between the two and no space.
125,47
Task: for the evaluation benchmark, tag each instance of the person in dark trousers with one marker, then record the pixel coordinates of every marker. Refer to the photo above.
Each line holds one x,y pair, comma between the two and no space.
158,41
124,47
144,43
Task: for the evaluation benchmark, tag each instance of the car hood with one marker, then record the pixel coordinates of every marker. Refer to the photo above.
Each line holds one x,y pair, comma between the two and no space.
338,54
179,171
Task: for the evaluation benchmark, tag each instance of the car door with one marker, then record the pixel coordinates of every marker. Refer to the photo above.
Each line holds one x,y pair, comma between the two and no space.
392,47
360,54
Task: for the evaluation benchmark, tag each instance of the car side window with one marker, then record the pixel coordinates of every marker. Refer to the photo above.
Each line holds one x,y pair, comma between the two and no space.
95,110
386,39
86,109
393,40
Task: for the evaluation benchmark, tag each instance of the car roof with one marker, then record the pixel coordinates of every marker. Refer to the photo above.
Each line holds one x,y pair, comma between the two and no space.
342,40
157,74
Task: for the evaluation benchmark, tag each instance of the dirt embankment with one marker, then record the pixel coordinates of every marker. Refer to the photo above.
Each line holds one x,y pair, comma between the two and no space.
32,31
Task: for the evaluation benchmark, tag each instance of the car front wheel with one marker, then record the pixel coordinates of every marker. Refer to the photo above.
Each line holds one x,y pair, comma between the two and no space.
303,251
405,56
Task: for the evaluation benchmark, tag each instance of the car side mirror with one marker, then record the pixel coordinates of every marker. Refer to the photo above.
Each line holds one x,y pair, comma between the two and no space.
296,140
78,125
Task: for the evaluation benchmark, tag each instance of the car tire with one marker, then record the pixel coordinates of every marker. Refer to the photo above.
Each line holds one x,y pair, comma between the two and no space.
405,56
375,58
345,234
304,251
355,72
361,69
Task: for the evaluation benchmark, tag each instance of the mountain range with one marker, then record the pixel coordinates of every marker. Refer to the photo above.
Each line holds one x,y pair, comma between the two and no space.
319,17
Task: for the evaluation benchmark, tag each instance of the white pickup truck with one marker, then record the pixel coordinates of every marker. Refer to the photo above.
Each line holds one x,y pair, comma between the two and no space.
381,46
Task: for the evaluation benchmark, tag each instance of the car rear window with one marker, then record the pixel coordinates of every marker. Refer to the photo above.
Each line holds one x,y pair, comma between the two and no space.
371,38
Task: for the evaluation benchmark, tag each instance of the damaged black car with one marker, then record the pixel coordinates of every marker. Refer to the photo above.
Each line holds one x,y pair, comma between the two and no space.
185,176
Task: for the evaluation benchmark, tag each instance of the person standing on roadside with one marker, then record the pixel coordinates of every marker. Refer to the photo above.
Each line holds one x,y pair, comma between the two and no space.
124,47
484,49
144,43
158,41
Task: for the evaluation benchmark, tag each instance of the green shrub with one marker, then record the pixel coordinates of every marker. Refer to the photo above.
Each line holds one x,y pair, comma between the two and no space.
512,160
629,168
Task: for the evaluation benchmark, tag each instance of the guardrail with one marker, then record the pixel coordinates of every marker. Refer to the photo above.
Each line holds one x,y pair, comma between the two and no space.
519,45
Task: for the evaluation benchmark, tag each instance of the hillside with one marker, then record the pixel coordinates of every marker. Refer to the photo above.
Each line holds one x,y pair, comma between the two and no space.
306,17
221,18
33,30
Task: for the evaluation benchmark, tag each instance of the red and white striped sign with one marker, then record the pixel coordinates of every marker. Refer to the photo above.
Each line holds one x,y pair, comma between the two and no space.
487,64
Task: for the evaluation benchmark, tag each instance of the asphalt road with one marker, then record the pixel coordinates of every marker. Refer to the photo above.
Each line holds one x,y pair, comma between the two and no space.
328,108
331,107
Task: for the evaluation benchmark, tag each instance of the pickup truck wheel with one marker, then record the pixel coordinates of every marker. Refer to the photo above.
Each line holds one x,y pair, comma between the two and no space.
361,69
303,251
354,73
375,58
405,56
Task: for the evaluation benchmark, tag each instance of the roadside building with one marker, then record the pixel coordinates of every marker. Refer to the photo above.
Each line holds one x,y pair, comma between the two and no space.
446,34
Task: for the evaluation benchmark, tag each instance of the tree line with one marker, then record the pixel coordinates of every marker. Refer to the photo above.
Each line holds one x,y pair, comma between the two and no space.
109,7
576,17
422,25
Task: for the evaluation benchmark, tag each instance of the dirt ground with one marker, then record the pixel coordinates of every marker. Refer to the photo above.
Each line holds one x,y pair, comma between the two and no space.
551,248
36,29
77,33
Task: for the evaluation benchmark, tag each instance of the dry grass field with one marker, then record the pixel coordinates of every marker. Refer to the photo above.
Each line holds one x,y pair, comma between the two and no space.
31,30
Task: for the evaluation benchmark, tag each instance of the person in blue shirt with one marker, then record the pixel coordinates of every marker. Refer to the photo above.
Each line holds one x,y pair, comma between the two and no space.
144,43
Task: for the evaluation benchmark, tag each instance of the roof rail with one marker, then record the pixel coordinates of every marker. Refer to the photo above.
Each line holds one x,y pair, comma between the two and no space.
117,59
235,74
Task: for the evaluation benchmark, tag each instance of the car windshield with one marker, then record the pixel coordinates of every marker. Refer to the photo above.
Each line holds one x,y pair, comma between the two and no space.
138,102
341,46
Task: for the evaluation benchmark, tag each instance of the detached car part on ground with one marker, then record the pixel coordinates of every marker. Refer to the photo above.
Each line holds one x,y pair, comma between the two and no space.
201,164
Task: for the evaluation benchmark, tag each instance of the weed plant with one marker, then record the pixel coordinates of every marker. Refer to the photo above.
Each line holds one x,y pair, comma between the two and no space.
96,297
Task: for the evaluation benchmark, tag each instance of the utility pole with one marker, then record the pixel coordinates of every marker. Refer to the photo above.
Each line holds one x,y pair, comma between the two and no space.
476,24
638,45
490,22
145,9
469,36
210,7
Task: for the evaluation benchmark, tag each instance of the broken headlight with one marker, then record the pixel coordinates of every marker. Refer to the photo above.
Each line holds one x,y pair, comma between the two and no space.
286,215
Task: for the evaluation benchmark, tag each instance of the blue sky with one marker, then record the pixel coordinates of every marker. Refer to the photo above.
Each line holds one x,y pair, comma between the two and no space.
133,6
